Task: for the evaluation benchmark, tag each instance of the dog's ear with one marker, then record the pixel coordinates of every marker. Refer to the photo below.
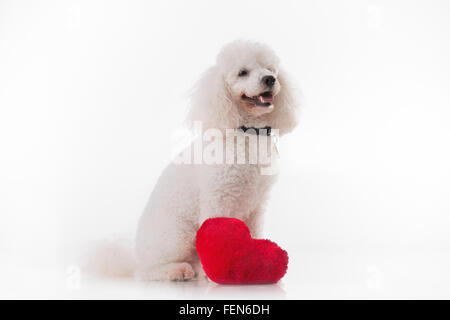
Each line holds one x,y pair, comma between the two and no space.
211,102
286,103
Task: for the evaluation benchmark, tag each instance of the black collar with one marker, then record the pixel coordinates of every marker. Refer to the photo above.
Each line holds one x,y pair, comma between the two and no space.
258,131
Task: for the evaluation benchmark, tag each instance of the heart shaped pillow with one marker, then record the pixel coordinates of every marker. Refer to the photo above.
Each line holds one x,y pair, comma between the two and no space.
229,255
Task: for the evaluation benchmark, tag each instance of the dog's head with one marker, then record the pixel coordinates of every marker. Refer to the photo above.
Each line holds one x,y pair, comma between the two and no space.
246,87
250,73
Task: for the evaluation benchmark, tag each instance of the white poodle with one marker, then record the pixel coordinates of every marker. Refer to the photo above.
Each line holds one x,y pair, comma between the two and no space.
245,90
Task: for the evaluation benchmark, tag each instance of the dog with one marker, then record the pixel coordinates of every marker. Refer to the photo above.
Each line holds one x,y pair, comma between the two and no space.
245,89
247,92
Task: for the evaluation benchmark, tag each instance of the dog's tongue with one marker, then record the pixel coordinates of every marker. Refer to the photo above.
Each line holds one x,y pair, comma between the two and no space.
265,98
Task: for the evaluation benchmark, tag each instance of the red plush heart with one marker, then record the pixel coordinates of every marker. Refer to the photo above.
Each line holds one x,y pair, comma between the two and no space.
229,255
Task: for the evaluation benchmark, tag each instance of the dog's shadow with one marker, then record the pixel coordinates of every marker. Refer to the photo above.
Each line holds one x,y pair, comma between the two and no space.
213,290
195,289
208,289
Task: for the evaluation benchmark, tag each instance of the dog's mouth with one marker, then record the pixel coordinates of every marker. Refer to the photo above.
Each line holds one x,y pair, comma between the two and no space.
264,99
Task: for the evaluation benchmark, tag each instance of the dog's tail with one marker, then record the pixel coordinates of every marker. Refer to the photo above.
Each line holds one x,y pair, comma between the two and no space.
111,258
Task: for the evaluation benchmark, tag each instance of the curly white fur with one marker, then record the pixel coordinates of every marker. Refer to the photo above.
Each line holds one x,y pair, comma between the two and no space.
186,194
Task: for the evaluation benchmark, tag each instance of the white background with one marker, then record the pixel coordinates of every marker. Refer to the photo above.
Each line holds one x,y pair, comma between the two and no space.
93,92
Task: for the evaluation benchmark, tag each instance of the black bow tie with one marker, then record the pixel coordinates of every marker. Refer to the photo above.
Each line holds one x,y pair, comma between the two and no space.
258,131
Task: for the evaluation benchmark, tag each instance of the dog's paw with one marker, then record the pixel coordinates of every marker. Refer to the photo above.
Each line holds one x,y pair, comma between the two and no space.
178,271
199,272
181,272
200,275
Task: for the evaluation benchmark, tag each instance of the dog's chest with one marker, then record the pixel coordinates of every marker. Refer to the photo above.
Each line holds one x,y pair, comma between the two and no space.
246,187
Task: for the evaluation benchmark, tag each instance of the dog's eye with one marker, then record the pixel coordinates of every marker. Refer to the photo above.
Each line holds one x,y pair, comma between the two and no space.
243,73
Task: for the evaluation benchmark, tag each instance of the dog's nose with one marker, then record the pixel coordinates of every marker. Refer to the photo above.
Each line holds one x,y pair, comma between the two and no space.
269,81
